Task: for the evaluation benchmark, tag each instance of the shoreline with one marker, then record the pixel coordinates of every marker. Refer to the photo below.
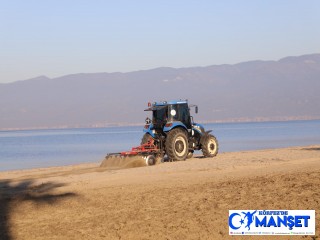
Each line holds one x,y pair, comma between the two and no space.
254,120
90,165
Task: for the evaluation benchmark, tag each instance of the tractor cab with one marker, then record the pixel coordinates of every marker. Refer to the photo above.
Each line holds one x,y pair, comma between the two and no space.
180,113
166,115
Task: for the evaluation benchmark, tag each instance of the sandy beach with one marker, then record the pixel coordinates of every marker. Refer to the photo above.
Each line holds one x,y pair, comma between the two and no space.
172,200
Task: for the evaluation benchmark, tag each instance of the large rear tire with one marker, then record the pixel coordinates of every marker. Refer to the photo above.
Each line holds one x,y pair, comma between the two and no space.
210,146
177,145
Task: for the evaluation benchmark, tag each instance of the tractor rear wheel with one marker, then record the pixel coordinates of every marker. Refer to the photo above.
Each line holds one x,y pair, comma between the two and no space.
177,145
210,146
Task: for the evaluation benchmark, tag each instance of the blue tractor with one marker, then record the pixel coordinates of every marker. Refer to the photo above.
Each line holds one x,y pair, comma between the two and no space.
173,130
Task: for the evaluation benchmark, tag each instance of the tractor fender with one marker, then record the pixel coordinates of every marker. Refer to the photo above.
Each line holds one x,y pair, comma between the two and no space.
148,129
199,128
169,126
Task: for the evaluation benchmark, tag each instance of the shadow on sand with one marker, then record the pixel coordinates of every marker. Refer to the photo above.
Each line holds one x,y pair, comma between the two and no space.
312,148
25,191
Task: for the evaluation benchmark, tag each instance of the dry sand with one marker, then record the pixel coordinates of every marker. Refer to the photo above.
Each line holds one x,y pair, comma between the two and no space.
176,200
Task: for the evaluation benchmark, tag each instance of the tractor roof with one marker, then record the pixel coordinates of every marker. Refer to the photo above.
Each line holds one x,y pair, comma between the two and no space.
164,103
161,104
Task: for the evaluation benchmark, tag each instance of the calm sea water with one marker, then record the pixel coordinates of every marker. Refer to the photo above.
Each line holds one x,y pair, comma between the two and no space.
43,148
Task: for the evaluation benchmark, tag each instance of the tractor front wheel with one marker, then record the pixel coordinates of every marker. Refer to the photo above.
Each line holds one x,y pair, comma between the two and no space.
177,145
209,146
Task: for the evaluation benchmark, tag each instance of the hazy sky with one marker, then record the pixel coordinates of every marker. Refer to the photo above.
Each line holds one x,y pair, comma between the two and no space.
59,37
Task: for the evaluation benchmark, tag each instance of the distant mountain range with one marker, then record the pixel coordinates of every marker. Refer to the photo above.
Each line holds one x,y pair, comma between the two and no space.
287,89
